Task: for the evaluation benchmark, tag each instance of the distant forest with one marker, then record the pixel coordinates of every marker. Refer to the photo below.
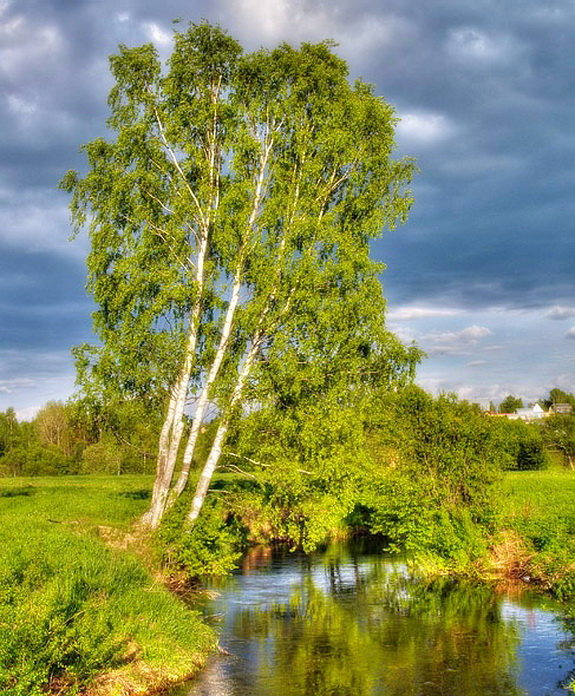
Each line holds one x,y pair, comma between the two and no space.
74,438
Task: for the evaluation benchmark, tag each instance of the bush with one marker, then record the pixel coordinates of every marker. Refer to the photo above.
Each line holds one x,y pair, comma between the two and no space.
212,547
102,457
521,445
532,455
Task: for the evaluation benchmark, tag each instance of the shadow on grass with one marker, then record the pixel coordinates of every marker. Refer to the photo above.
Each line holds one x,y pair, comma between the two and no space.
15,492
142,494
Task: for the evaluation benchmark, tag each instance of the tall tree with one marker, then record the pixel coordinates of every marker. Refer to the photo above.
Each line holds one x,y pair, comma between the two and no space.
558,396
9,430
230,222
510,404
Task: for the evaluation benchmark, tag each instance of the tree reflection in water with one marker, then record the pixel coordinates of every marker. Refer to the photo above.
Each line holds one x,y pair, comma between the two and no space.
358,626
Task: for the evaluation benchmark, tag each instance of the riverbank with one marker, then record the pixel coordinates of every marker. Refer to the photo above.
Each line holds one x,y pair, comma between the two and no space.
538,517
92,613
80,609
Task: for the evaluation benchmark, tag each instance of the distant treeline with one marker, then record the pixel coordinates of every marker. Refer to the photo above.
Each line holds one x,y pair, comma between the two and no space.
73,438
69,438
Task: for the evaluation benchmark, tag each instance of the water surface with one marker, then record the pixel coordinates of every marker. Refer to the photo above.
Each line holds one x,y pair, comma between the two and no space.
347,622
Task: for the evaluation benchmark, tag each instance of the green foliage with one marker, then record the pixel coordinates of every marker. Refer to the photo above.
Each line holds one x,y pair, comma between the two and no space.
10,433
36,460
79,437
212,547
230,216
446,444
102,457
558,396
510,404
521,445
532,454
559,434
433,487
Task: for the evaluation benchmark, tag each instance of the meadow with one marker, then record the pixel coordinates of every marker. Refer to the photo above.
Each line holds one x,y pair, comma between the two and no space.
539,508
80,610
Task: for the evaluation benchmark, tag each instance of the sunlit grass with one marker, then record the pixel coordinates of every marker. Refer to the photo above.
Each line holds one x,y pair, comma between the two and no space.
548,494
71,607
87,500
540,507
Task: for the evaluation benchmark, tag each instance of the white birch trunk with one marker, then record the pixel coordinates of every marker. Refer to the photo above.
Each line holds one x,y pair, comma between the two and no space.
173,427
203,400
171,434
217,446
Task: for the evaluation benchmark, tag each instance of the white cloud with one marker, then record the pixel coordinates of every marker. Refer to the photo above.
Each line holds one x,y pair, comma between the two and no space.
565,382
36,222
9,386
560,312
473,333
454,342
27,414
362,35
470,334
50,375
571,334
475,46
156,34
424,128
9,27
412,312
476,363
26,48
22,108
553,15
276,19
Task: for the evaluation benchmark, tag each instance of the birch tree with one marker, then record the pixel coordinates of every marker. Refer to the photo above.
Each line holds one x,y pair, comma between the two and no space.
231,218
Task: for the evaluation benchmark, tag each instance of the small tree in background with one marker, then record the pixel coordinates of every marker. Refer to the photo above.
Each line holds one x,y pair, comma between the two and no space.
510,404
559,434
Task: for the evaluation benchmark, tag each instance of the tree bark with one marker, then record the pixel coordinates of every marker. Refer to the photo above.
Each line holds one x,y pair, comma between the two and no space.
172,429
217,446
205,393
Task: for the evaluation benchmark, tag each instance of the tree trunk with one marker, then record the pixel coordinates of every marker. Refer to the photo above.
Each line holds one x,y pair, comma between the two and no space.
224,338
204,396
217,446
172,429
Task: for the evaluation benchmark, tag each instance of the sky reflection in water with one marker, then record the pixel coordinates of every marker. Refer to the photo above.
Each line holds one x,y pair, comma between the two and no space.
346,623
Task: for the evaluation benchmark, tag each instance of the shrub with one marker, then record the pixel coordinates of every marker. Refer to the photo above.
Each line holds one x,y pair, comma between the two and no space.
212,547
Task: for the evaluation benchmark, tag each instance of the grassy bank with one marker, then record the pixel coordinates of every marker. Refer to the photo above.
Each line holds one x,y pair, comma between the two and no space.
79,609
538,516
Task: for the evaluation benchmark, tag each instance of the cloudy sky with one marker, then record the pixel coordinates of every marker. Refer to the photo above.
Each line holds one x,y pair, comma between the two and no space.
481,277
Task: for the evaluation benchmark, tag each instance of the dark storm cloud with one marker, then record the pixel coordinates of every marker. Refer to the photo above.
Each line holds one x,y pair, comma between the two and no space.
493,222
483,90
42,301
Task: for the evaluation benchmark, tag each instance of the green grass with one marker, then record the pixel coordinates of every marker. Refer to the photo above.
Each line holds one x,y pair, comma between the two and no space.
540,507
539,503
72,609
88,501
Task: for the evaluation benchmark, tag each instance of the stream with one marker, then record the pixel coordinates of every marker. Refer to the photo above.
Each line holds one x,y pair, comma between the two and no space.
351,622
